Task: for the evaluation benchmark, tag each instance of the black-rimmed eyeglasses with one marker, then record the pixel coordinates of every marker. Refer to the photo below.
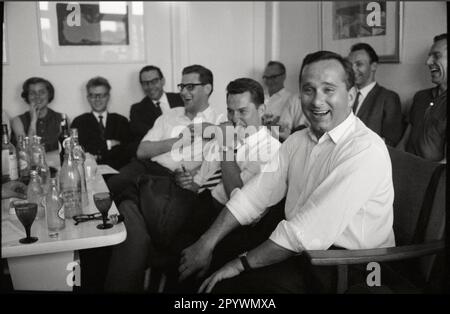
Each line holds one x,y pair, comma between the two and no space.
83,218
190,86
271,77
151,82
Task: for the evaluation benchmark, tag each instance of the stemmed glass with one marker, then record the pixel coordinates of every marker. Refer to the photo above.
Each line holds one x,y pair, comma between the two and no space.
26,212
103,202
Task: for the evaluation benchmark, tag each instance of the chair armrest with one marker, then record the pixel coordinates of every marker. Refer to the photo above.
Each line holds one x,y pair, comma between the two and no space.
346,257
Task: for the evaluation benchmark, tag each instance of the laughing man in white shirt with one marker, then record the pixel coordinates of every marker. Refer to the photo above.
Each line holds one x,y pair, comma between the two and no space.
336,177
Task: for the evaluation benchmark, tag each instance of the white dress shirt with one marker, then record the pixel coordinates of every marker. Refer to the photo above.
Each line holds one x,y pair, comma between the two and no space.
276,103
255,151
364,91
163,103
104,114
170,125
292,114
338,190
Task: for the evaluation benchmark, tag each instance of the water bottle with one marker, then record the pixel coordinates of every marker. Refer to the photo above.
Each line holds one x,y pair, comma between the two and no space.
80,157
23,156
70,184
54,210
9,157
35,193
64,134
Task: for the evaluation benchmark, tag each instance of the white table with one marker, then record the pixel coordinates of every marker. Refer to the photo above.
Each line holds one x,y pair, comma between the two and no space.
51,263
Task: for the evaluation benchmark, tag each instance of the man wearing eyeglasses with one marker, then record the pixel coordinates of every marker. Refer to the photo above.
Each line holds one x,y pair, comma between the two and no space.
283,109
156,102
156,156
101,133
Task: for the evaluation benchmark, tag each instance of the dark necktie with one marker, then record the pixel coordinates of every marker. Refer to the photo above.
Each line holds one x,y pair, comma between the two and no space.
356,102
101,127
158,108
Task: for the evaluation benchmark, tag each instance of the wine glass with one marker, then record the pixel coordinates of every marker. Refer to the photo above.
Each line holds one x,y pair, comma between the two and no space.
26,212
103,202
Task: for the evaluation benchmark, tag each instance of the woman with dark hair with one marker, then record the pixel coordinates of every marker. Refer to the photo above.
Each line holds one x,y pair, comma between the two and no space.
39,120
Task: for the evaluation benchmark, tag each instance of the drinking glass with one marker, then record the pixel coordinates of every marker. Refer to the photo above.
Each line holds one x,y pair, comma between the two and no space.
103,202
26,212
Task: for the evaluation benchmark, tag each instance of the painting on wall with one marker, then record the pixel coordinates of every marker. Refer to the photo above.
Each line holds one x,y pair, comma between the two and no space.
91,32
377,23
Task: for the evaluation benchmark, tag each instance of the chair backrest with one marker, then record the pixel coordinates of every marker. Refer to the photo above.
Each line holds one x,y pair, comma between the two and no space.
411,176
419,206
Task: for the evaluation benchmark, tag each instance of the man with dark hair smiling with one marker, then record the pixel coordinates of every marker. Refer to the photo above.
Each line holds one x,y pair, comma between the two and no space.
426,135
156,102
102,133
379,108
323,172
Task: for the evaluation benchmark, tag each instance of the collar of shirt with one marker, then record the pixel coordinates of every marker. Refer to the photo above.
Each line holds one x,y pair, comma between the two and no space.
280,93
254,138
335,134
104,115
365,90
205,115
163,102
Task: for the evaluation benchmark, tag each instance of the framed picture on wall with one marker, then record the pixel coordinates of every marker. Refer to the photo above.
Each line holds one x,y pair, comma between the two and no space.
377,23
91,32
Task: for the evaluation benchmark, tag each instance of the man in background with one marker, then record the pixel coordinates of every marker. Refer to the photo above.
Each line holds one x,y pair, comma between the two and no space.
379,108
101,133
426,135
156,102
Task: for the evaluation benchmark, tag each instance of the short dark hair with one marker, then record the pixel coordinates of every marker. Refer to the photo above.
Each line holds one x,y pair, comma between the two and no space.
205,75
36,80
98,81
150,68
367,48
328,55
440,37
277,63
242,85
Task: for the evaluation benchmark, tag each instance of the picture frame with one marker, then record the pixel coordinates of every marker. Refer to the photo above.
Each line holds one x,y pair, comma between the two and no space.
91,32
378,23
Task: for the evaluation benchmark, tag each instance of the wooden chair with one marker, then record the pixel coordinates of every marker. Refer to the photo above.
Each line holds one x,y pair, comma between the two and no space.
419,228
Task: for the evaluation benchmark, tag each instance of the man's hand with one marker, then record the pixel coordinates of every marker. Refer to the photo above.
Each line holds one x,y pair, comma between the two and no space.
14,189
229,270
185,180
111,143
195,259
199,129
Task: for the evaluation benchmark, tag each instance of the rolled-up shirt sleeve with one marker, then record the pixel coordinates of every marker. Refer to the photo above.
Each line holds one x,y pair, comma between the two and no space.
267,188
321,220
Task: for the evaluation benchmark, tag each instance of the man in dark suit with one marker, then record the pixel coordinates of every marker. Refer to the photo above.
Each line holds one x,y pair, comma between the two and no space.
103,134
379,108
156,102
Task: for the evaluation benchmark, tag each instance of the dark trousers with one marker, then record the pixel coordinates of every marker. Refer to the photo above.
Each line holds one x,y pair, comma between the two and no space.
129,259
130,173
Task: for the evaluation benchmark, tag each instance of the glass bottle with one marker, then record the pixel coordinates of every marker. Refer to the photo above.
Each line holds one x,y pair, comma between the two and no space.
70,184
23,157
54,210
80,157
36,151
9,157
63,135
35,193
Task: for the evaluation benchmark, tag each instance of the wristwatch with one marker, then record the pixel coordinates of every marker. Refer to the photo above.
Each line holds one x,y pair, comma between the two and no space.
244,261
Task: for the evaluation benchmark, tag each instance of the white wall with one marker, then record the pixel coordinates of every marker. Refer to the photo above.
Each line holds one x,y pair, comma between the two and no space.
226,37
233,39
